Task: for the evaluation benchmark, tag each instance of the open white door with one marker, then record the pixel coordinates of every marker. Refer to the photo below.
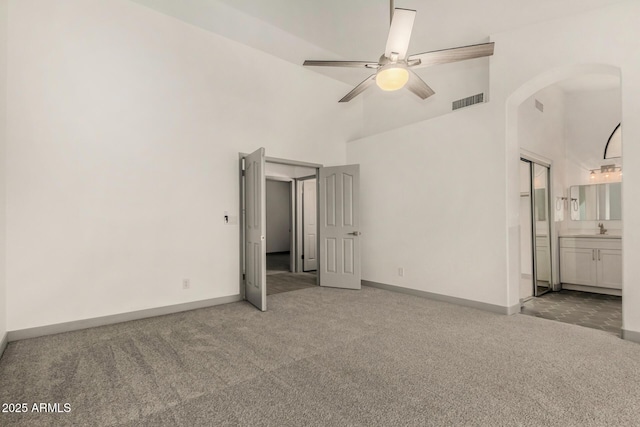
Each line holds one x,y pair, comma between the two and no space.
255,284
339,227
310,229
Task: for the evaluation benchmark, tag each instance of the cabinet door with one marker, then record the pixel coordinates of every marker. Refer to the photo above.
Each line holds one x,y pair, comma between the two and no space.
609,268
578,266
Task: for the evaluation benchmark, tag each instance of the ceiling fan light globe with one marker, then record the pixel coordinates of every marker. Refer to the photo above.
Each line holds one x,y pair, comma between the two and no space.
392,78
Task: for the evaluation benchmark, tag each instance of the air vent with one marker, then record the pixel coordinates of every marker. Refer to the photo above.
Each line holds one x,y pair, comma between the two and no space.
539,106
466,102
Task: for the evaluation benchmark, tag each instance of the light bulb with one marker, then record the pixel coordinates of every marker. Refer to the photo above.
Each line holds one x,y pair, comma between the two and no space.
392,77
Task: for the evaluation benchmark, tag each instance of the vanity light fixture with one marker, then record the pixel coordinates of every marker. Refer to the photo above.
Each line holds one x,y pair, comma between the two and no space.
609,169
605,172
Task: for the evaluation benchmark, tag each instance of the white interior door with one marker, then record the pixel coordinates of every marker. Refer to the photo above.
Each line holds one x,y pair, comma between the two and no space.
255,230
339,227
309,225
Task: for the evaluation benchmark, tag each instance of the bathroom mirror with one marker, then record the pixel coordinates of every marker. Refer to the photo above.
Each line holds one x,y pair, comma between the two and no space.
541,204
596,202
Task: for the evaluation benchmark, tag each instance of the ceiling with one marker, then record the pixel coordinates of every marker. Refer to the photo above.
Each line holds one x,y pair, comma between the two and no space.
590,82
358,28
295,30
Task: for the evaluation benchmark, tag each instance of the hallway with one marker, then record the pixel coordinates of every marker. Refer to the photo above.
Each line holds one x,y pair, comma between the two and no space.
280,279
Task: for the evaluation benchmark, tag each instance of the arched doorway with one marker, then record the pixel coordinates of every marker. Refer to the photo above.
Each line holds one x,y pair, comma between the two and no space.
514,138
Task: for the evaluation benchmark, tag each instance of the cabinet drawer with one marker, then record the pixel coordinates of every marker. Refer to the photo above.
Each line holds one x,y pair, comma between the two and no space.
590,243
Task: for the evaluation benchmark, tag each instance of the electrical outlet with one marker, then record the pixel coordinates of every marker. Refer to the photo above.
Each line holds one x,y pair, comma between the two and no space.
401,271
186,284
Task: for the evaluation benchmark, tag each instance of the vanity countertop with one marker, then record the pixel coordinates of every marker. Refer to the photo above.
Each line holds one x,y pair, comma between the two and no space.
592,236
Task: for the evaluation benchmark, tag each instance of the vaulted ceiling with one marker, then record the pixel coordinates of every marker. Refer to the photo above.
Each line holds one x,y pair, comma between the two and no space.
357,29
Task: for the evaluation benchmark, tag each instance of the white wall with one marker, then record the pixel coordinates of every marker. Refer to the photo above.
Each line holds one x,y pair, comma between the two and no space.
384,111
543,132
278,216
430,203
124,127
3,143
442,197
433,202
591,117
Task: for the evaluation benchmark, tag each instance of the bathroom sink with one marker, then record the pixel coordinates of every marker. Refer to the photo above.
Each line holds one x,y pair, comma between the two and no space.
596,235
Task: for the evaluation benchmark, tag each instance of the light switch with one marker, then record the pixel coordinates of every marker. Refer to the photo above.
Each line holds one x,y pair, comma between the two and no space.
229,219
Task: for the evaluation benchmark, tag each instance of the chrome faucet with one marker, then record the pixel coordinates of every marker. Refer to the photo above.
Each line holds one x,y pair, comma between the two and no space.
602,229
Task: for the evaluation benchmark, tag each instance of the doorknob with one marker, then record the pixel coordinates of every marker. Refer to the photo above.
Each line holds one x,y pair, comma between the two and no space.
355,233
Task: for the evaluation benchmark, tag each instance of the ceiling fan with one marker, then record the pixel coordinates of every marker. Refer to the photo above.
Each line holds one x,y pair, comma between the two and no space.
394,69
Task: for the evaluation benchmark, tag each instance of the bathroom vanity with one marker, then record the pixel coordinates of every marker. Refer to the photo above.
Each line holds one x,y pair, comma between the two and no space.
591,263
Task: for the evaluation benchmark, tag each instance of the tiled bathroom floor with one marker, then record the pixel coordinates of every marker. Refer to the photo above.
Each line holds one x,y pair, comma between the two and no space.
580,308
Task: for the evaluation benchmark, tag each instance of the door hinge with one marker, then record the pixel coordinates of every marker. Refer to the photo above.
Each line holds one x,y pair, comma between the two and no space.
302,257
243,172
244,276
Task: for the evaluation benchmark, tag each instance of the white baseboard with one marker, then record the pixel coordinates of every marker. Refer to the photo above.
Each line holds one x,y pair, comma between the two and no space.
632,336
76,325
445,298
592,289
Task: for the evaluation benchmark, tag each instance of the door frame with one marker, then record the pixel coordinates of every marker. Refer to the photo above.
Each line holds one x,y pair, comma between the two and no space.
241,216
300,219
554,253
293,249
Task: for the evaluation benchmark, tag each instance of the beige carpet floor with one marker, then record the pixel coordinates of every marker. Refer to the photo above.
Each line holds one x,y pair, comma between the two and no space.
328,357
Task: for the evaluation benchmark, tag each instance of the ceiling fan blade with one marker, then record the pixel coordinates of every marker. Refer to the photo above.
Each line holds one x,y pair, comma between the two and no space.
356,64
400,33
359,89
418,86
455,54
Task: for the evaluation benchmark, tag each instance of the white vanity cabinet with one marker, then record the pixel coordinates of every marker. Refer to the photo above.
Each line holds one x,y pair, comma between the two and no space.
592,263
